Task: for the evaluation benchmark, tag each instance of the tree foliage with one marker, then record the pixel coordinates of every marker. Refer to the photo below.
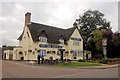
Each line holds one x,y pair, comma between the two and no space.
90,21
95,42
113,44
10,47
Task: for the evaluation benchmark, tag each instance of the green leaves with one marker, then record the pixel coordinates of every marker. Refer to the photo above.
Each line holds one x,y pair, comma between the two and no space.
90,21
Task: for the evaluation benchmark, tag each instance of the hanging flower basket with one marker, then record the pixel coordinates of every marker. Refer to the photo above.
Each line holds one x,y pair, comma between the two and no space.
48,52
71,51
20,52
67,52
53,52
38,50
29,50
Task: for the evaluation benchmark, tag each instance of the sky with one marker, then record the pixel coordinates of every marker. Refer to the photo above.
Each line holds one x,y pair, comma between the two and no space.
58,13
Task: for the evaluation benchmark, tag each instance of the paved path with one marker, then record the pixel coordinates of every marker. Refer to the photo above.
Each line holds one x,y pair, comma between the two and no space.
17,70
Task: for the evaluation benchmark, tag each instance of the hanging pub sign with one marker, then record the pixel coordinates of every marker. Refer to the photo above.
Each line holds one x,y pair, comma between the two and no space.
104,42
49,46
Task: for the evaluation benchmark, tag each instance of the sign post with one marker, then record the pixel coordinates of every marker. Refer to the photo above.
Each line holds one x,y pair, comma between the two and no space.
104,44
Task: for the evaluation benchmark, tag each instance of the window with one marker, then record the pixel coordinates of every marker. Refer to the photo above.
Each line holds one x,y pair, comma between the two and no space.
77,53
33,52
75,43
80,53
76,39
61,41
74,53
25,53
43,51
42,39
58,53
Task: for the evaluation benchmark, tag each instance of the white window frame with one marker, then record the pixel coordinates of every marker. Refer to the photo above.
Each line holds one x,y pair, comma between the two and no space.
42,39
77,53
76,43
61,41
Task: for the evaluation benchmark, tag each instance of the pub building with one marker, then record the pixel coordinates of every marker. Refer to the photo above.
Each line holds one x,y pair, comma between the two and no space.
53,42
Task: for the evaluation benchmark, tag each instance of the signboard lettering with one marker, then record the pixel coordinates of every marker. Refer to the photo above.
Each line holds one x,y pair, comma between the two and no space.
49,46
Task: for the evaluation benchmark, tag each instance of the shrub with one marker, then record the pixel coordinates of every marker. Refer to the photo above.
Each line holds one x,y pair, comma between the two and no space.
80,60
104,61
97,61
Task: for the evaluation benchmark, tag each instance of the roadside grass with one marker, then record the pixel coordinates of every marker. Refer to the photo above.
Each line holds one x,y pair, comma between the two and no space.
78,64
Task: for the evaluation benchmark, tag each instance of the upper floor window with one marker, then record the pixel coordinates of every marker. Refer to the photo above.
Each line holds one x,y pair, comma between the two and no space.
75,39
61,41
75,43
42,39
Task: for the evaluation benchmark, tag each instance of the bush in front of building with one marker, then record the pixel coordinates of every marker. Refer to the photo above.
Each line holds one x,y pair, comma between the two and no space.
80,60
103,61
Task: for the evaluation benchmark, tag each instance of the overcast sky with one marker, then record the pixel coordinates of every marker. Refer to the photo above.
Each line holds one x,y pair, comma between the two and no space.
58,13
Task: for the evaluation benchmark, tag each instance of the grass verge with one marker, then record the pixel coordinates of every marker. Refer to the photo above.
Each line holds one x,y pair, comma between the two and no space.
77,64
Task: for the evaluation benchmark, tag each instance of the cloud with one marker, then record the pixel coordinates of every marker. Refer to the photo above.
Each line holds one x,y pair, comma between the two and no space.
58,13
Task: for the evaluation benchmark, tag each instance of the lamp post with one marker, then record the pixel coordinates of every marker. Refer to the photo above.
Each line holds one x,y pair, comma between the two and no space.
104,44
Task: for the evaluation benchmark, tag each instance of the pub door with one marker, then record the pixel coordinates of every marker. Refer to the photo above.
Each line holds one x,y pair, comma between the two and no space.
61,55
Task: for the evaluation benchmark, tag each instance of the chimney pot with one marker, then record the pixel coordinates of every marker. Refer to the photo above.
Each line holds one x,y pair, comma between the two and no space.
75,24
27,18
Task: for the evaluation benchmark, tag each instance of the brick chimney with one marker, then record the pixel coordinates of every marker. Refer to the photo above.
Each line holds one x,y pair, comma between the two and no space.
27,18
75,24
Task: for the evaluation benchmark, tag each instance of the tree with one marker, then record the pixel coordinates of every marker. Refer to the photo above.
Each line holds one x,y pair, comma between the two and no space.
10,47
91,46
113,43
90,21
113,47
97,37
95,42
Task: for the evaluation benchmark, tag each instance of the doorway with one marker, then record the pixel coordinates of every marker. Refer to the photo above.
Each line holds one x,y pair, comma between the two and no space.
5,56
61,55
86,56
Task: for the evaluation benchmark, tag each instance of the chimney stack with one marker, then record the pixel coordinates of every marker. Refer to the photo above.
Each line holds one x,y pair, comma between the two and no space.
75,24
27,18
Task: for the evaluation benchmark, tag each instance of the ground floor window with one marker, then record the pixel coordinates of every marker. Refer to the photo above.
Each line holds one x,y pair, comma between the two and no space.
25,53
58,53
77,53
43,51
33,52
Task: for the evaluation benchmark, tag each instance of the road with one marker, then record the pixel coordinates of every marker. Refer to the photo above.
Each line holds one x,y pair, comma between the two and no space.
0,69
17,70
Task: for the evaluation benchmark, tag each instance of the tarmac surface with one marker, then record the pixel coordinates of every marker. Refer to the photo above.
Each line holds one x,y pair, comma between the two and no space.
0,69
18,69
